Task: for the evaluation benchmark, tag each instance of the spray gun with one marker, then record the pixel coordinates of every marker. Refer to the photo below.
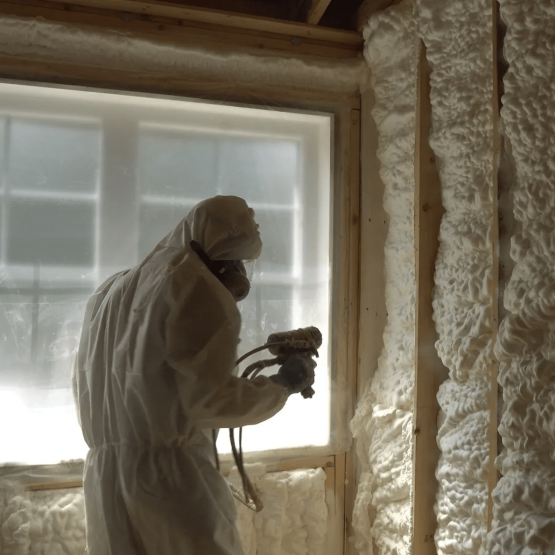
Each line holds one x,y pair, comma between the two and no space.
293,351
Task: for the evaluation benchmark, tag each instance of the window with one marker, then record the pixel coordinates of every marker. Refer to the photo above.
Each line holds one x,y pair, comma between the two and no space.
91,181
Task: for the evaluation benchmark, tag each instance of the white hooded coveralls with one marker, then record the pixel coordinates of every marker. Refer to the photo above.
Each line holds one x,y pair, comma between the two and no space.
153,376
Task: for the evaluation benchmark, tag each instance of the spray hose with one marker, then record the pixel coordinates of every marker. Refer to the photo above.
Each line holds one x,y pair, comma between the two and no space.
284,345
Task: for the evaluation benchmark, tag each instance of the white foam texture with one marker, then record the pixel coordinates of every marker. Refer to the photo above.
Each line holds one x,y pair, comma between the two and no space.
293,522
49,41
382,423
524,499
457,35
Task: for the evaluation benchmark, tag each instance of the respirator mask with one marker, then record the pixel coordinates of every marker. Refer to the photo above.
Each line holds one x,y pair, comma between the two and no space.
232,274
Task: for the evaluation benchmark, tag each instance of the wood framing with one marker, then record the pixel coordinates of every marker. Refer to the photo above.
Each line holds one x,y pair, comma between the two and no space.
349,463
493,473
239,22
172,30
428,210
317,9
228,19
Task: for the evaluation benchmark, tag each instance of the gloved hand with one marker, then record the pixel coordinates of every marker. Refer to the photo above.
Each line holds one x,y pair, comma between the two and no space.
296,374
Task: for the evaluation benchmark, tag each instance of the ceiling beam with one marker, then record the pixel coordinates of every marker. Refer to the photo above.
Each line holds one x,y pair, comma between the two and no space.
316,11
177,31
225,19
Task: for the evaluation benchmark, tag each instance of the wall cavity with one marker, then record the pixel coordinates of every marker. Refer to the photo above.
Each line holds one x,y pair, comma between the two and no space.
382,424
524,510
295,516
458,39
293,521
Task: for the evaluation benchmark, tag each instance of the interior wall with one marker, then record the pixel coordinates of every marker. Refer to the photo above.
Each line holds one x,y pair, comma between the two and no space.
524,510
458,38
383,420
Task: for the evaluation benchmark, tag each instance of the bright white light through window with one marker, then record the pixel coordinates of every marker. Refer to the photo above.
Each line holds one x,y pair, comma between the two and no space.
90,182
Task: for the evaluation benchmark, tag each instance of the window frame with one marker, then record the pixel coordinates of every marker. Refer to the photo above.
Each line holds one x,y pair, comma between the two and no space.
345,240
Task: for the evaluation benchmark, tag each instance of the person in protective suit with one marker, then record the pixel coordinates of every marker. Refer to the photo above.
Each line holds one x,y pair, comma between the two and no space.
154,376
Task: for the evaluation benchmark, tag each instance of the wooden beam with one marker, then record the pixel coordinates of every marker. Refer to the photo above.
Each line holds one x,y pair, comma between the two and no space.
369,7
179,32
349,477
316,11
493,473
428,210
327,463
222,18
331,547
55,485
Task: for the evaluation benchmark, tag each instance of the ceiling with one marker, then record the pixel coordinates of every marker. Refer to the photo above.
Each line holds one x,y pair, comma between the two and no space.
338,14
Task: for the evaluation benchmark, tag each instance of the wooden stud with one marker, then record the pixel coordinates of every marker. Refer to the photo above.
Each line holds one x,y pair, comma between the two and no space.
374,225
354,307
428,210
317,10
295,464
56,485
331,546
219,17
493,473
340,464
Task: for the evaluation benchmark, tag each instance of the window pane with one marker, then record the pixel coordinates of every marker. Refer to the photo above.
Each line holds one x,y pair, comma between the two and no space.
262,170
156,221
77,208
50,233
2,153
266,310
181,164
277,230
60,318
15,334
53,157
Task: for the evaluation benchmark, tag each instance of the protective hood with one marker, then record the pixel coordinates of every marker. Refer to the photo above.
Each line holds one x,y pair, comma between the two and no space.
224,226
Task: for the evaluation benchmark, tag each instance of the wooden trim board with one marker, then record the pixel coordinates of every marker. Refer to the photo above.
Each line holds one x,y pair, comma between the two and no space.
493,473
349,478
428,210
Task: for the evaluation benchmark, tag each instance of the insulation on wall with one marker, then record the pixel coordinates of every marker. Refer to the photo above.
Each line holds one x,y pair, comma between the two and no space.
295,515
382,424
49,522
293,521
458,35
524,499
50,41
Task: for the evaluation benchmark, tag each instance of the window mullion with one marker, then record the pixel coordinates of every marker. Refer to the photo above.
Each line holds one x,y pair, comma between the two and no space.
118,217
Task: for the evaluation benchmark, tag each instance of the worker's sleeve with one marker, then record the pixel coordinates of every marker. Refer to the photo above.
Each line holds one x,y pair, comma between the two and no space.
202,333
